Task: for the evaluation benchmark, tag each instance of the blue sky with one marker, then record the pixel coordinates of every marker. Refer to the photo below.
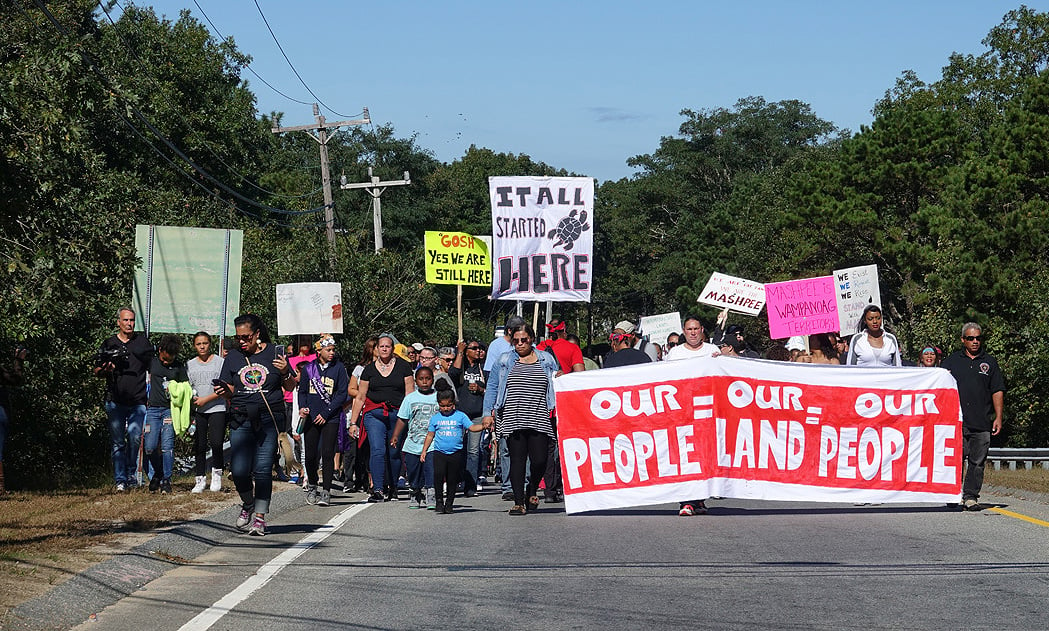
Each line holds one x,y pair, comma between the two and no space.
585,85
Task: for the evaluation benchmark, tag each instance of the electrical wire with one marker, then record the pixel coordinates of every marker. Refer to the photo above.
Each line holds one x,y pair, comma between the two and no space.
94,66
248,66
281,48
144,72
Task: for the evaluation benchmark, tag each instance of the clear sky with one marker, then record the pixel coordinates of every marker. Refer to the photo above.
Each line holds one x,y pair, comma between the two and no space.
584,85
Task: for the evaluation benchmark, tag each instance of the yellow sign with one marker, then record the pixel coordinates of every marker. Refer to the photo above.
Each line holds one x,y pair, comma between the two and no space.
457,258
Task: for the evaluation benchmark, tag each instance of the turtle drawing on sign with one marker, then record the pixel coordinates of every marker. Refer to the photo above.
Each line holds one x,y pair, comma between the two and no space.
569,229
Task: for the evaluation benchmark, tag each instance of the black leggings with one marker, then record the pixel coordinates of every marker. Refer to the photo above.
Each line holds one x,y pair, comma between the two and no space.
211,432
446,467
325,435
524,445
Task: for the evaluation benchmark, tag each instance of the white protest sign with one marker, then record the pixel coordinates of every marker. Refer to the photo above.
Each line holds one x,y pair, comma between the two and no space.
542,238
658,327
309,308
854,289
735,294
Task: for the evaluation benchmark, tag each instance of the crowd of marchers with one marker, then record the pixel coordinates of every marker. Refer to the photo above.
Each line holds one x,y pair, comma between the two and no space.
423,422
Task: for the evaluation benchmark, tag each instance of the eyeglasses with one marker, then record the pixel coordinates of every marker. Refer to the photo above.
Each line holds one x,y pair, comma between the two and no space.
522,340
970,338
246,337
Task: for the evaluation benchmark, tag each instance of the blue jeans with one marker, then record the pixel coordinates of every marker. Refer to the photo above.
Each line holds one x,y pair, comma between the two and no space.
420,474
385,461
159,441
473,458
125,434
251,463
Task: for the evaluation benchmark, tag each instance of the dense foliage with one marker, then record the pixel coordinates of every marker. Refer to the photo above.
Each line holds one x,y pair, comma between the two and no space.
105,124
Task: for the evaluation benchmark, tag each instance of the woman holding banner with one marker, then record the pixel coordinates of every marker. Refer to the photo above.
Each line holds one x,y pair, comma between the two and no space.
873,345
520,394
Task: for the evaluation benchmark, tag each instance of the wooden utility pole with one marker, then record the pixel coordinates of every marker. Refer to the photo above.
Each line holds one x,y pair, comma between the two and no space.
321,128
375,189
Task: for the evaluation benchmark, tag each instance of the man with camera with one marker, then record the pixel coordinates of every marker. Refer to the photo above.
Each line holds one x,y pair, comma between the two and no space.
123,361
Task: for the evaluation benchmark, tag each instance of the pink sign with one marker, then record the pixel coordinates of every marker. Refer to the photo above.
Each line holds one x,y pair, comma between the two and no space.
801,307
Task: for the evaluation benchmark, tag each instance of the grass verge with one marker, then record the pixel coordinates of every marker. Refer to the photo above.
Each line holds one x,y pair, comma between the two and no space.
45,538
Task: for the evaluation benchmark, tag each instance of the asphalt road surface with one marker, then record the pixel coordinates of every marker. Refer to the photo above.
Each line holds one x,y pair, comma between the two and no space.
745,565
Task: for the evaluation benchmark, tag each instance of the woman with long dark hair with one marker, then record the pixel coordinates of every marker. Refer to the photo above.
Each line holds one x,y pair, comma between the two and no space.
520,399
253,375
209,413
873,345
382,386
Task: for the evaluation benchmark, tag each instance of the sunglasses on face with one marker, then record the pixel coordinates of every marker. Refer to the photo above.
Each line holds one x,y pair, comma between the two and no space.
970,338
473,348
522,340
244,338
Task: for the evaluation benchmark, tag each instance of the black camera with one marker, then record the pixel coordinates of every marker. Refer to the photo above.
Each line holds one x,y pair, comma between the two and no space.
117,356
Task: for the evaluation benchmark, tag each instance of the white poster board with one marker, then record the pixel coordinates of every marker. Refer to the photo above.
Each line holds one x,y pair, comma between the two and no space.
309,308
854,289
658,327
735,294
542,238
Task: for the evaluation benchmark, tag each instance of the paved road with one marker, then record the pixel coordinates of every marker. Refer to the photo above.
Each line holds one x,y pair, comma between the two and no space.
745,565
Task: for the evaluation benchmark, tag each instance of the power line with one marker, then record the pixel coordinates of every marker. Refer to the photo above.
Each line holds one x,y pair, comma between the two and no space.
274,35
161,92
248,66
95,68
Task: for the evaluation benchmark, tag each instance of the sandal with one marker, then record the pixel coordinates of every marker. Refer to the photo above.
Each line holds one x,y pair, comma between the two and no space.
533,503
518,510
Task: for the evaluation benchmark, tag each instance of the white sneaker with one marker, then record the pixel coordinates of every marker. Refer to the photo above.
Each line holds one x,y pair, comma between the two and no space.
216,480
199,486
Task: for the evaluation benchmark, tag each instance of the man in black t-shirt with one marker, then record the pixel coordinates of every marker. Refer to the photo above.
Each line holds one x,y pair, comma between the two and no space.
981,391
123,361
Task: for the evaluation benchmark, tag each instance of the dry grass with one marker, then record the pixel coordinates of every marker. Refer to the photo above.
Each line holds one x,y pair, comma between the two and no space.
47,537
1036,480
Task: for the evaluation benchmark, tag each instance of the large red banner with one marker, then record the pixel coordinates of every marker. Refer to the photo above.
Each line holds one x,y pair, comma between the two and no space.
729,427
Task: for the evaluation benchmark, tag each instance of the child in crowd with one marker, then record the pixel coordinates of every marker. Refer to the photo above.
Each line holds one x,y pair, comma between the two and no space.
414,414
445,435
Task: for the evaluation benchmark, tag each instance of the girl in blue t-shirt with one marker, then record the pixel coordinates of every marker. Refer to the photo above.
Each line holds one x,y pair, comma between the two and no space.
445,434
414,416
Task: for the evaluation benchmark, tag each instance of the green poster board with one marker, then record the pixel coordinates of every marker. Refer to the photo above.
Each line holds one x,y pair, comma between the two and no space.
189,279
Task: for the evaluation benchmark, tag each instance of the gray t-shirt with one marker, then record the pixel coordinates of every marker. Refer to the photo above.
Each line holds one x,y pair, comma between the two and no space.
200,376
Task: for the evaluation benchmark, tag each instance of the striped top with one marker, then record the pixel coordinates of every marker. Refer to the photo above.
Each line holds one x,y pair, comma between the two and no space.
525,406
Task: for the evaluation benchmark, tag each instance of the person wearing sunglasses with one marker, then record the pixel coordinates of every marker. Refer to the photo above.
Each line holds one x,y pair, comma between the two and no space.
981,391
520,398
873,345
253,379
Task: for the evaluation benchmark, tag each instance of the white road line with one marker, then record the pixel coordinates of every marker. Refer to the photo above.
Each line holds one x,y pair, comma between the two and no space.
211,615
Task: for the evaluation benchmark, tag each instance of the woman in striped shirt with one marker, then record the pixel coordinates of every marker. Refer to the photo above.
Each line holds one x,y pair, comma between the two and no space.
520,398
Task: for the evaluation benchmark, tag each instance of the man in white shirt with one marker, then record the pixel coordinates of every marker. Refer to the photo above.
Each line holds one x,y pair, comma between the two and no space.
694,343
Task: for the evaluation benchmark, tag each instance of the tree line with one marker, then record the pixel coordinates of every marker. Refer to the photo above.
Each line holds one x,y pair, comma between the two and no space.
108,123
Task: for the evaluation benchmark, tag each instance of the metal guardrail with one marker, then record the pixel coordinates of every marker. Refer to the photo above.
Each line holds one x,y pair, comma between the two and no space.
1010,455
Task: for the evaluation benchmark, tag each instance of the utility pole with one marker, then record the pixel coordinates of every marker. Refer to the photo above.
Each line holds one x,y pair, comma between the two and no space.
321,128
373,188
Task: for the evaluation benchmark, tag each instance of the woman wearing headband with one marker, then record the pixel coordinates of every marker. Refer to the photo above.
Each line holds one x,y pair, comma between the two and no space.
323,384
